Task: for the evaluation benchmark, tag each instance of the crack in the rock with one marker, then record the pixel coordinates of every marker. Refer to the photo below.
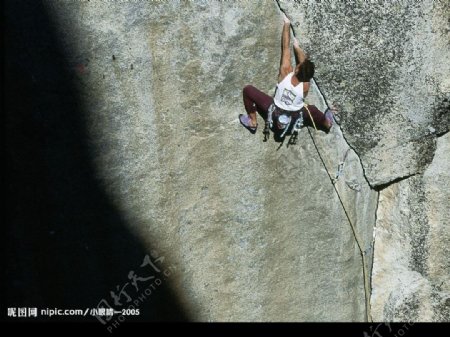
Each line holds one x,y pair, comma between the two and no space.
440,134
323,96
366,276
381,187
377,188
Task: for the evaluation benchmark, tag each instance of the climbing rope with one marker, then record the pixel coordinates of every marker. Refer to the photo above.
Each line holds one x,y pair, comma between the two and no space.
310,116
355,233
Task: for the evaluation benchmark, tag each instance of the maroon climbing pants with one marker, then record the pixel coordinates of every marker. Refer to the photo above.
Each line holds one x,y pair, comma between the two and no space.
255,99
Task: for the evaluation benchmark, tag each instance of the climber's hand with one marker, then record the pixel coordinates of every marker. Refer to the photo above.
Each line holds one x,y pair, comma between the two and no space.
286,19
332,113
333,109
336,113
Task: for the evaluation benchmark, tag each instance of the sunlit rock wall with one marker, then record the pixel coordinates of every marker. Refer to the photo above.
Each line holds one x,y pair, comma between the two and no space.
255,230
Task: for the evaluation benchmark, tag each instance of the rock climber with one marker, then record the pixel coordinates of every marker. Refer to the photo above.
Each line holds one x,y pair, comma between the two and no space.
286,109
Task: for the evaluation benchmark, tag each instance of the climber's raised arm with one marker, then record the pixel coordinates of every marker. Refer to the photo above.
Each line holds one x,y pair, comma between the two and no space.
285,64
304,68
299,53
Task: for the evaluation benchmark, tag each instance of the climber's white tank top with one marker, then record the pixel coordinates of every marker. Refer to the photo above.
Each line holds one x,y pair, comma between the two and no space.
288,97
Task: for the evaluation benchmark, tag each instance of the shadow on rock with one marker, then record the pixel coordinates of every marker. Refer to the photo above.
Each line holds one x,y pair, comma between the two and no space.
66,245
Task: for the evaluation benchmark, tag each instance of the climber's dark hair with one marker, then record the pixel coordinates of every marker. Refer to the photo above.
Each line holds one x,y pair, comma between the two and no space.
306,71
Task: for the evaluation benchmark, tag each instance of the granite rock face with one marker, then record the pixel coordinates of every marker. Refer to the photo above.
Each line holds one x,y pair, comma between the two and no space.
411,263
253,230
386,64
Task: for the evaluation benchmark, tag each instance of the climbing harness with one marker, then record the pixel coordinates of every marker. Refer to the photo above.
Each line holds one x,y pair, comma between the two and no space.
298,125
362,252
293,138
269,122
266,131
272,108
285,121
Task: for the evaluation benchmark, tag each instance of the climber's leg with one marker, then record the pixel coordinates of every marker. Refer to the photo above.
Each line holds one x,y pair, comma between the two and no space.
319,118
255,100
323,121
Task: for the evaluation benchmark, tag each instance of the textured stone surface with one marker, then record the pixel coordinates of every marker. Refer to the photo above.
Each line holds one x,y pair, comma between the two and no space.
411,263
386,64
256,233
